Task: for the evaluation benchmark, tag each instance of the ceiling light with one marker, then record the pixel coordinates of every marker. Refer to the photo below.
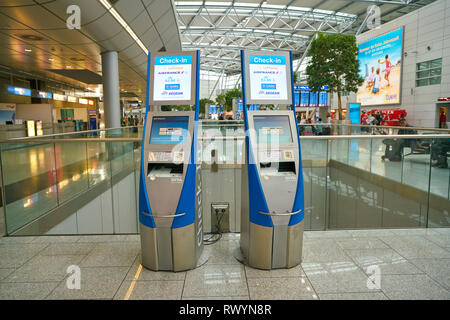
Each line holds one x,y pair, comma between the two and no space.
68,67
50,59
28,50
125,25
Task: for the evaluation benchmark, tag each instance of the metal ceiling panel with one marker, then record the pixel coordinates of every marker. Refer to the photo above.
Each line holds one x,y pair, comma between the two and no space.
127,11
85,76
35,17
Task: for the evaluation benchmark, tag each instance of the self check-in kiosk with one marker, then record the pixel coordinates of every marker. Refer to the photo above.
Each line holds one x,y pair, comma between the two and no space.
272,209
170,208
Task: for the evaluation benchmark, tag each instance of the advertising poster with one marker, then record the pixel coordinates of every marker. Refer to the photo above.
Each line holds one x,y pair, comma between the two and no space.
172,78
7,113
380,64
268,80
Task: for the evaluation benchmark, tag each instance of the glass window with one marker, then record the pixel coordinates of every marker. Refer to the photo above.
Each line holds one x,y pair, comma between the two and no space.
429,72
421,83
435,80
435,63
423,65
435,72
423,74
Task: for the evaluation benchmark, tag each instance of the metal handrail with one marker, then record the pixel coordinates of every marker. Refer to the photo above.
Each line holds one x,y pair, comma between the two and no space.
74,132
10,141
167,216
392,136
212,138
280,213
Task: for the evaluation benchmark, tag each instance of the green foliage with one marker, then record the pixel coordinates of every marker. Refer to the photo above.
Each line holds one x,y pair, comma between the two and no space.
230,95
220,99
296,75
203,102
334,63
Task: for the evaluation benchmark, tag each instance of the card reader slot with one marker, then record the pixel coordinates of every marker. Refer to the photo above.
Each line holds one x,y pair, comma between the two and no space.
168,168
286,166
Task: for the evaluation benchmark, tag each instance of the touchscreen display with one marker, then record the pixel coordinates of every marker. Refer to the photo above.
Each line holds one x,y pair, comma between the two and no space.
273,129
169,130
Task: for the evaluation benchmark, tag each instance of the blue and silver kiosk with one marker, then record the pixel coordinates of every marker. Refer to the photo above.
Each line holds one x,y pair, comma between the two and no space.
170,207
272,208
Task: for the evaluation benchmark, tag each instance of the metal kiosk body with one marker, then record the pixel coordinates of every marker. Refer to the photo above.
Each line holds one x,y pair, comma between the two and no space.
272,208
170,208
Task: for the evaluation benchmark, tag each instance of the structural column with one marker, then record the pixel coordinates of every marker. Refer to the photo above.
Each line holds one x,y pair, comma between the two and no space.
111,92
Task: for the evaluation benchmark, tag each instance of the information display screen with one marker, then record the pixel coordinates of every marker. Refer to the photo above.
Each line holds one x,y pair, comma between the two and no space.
273,129
313,99
304,98
297,98
323,99
172,78
169,130
268,77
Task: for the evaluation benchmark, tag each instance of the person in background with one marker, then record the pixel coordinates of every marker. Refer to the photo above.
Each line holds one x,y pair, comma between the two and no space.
221,117
442,120
364,122
303,120
319,127
371,121
379,116
412,143
439,150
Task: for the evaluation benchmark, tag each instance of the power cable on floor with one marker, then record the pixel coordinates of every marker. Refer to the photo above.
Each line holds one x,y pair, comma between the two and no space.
216,235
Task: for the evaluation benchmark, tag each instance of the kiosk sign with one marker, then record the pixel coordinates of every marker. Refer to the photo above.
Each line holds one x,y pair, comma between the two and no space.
268,78
172,78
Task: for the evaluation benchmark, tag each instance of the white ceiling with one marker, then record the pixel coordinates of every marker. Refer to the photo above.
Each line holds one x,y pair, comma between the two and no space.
220,28
153,21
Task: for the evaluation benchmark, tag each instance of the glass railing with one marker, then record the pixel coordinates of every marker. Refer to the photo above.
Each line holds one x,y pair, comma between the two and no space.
350,181
39,176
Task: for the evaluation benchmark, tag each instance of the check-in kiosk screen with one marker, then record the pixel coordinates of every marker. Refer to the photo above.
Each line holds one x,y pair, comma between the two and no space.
273,129
169,130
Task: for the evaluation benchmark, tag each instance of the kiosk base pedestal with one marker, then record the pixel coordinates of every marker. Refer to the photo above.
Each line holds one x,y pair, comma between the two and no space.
261,248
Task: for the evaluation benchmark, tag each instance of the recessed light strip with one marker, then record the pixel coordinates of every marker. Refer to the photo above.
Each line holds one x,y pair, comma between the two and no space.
125,25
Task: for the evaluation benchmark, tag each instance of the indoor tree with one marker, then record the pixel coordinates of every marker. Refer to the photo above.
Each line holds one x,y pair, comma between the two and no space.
220,99
230,95
333,62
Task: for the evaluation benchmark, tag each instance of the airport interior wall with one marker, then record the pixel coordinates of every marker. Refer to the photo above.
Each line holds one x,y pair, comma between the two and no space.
426,27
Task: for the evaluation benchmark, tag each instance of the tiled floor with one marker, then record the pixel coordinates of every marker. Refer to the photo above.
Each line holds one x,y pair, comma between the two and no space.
413,264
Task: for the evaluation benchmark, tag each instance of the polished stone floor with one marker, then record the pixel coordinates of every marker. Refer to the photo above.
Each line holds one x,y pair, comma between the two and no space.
412,263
